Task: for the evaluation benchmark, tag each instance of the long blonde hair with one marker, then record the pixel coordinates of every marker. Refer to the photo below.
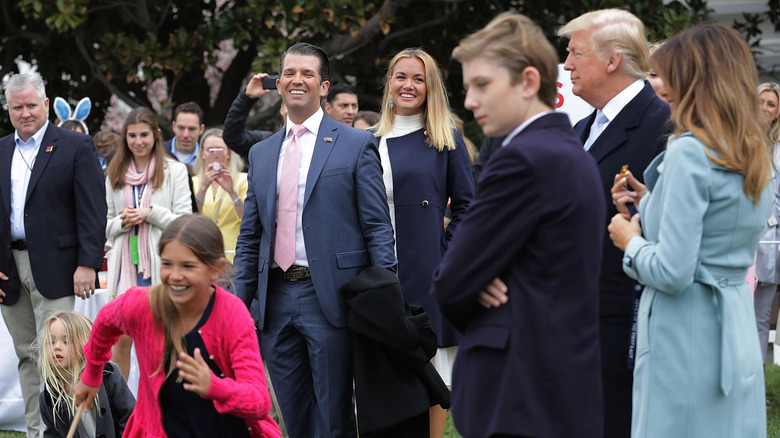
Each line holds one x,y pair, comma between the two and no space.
201,236
436,115
56,383
774,125
719,108
233,161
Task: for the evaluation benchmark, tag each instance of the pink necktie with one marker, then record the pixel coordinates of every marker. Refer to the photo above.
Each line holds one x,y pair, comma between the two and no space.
288,201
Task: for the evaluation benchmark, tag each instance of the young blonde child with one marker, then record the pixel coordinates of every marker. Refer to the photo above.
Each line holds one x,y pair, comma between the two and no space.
198,355
61,361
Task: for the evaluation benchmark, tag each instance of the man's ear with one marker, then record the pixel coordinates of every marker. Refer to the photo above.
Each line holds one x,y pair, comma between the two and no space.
614,62
327,108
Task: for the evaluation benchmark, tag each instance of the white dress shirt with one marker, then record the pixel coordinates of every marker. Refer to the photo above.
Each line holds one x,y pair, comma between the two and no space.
22,163
307,141
614,106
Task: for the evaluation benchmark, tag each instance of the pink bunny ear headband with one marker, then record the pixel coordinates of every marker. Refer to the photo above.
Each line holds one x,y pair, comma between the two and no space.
64,113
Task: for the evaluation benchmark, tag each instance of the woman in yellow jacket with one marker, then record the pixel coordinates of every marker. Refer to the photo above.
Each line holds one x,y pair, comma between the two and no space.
220,188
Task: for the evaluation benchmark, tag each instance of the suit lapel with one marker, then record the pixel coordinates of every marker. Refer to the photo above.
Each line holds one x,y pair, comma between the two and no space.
583,129
45,152
269,163
6,155
628,118
322,150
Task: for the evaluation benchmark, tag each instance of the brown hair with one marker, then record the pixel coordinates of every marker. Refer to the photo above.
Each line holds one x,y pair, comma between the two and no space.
121,160
720,109
515,42
201,236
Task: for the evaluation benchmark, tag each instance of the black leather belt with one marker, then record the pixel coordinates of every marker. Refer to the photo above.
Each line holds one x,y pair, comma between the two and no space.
295,273
19,245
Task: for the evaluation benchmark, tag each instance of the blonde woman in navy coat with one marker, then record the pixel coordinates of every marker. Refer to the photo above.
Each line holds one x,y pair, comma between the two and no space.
425,165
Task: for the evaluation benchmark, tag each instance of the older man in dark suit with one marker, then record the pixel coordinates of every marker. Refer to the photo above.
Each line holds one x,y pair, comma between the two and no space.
315,216
528,364
607,57
53,215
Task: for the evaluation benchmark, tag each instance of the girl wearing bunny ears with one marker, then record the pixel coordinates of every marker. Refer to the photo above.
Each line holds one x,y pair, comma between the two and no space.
73,120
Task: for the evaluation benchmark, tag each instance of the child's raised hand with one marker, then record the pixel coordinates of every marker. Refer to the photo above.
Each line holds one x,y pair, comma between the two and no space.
194,370
85,392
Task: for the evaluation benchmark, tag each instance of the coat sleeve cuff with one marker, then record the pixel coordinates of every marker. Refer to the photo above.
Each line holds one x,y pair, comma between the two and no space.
93,374
629,257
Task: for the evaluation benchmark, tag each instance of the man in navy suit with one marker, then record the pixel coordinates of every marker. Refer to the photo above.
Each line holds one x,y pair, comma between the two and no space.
528,364
53,215
339,224
607,57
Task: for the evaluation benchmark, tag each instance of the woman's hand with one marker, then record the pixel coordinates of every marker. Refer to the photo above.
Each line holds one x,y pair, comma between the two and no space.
494,294
194,370
226,182
134,216
622,195
84,392
622,228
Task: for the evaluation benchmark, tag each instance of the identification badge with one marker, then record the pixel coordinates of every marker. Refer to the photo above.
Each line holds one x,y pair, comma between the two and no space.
772,220
134,250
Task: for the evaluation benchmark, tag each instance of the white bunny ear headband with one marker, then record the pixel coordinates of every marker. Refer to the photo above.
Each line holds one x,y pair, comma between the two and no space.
63,111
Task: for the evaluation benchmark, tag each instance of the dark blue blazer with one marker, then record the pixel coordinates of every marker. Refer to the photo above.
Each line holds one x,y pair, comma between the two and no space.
424,179
530,367
635,136
64,215
346,222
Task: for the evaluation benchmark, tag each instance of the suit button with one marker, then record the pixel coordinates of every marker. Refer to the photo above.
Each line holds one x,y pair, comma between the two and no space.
425,203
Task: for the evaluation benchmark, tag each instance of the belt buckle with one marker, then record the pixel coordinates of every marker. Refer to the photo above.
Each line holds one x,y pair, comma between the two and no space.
296,273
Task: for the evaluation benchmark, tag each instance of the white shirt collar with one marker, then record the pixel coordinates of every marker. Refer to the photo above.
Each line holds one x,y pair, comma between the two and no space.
520,128
614,106
38,136
312,123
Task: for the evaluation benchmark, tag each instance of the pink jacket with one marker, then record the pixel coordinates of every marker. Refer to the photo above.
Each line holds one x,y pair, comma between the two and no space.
230,338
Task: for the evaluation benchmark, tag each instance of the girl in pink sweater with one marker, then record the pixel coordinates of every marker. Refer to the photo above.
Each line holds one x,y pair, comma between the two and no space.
198,356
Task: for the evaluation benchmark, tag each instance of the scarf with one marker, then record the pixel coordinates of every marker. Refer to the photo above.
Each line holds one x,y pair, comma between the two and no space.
127,275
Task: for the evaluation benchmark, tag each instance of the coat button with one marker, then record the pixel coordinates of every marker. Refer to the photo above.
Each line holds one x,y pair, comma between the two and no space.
211,356
425,203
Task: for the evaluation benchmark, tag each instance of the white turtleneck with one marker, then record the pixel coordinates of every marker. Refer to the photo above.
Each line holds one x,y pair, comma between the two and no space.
402,125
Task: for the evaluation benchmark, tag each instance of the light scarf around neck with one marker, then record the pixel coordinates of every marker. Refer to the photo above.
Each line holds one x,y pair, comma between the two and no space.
127,275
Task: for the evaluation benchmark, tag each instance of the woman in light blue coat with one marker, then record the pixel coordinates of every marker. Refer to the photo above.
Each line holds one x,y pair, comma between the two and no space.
698,369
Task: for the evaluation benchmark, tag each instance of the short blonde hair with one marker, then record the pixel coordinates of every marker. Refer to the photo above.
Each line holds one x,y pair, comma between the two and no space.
436,116
515,42
614,31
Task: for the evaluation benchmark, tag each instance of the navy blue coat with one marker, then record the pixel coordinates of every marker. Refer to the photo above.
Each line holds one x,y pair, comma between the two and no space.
634,137
423,181
64,215
529,367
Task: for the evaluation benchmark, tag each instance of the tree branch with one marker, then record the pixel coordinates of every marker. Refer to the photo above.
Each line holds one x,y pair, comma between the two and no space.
95,69
345,44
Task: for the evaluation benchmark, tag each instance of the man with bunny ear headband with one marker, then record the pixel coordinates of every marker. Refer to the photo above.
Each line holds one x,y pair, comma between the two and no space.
53,214
73,120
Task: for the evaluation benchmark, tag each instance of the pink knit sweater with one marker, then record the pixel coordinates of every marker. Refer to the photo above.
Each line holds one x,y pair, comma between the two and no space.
230,338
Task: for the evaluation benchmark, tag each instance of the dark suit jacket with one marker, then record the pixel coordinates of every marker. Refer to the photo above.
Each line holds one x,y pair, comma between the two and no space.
116,404
346,222
65,212
392,345
424,180
190,172
634,137
489,145
234,133
530,367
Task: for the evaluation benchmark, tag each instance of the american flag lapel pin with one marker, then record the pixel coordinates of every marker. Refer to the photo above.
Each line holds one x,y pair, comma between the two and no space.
328,139
49,148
